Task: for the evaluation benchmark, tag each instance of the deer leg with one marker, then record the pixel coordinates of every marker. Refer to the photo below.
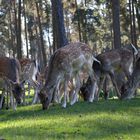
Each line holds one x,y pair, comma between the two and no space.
29,88
93,84
65,93
1,101
24,96
128,71
12,101
35,99
14,104
76,90
101,82
105,89
35,85
57,96
7,99
6,88
115,84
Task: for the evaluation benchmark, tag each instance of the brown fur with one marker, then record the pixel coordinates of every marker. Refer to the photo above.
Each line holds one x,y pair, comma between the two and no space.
65,64
10,71
114,61
129,89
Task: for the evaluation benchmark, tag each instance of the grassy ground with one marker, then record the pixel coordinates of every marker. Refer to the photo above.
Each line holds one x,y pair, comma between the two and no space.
103,120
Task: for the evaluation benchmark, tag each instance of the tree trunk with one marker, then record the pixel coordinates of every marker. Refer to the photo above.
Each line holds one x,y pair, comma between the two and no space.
134,24
19,48
15,26
138,13
59,34
41,36
31,36
79,25
26,36
11,33
85,28
131,26
116,23
67,26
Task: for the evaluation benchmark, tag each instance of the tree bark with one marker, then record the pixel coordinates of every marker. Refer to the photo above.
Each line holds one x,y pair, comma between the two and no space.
116,23
26,35
131,26
11,33
79,25
41,36
134,25
15,26
138,13
59,34
19,48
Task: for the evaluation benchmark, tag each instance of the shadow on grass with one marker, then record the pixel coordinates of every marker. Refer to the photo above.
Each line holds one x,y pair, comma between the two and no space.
110,106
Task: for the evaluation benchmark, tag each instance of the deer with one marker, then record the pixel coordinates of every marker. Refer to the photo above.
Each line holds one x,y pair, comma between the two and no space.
129,88
10,71
120,81
64,65
114,61
29,73
2,101
57,97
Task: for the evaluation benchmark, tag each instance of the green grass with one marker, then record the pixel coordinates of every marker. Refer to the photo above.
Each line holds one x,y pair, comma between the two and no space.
103,120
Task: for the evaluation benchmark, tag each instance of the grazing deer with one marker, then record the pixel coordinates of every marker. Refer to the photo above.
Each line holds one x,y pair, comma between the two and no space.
113,61
30,70
120,81
58,94
128,90
10,72
64,65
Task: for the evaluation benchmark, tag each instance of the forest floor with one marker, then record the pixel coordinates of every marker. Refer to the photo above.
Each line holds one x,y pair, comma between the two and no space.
102,120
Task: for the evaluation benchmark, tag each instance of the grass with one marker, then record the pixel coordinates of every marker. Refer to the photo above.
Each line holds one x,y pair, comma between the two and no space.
103,120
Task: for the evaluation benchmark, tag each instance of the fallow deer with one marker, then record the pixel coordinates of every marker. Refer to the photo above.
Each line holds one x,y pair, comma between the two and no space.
58,94
30,70
10,72
120,81
113,61
128,90
64,65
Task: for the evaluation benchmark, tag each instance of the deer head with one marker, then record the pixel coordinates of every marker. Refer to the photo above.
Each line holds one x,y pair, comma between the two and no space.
17,90
10,71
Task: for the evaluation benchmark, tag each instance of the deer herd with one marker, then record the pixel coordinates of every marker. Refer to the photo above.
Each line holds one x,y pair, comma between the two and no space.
73,72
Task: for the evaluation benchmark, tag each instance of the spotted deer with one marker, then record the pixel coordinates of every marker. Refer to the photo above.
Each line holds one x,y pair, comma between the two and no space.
57,97
111,62
64,65
10,71
128,90
30,70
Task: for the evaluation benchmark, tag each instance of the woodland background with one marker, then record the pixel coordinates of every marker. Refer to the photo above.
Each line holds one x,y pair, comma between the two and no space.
36,28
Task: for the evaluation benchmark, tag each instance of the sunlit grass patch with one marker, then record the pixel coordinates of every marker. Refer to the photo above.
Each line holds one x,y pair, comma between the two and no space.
105,120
